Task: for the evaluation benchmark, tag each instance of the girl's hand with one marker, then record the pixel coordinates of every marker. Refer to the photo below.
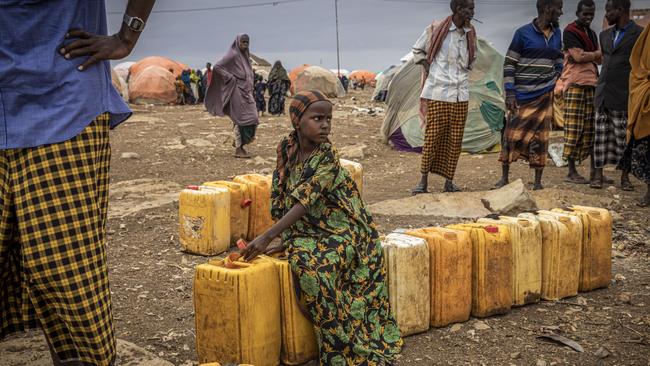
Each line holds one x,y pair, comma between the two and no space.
255,248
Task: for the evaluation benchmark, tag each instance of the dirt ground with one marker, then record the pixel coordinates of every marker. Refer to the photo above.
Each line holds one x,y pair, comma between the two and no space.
161,149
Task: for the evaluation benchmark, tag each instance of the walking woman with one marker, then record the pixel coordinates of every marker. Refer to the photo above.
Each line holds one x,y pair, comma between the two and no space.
332,243
278,85
231,93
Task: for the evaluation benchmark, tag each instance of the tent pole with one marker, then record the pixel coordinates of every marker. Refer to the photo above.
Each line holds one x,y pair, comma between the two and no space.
338,52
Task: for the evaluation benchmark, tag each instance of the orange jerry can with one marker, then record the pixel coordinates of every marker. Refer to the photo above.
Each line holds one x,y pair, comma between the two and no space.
561,252
204,220
491,268
240,202
596,263
237,312
406,259
259,188
356,172
299,343
526,239
450,274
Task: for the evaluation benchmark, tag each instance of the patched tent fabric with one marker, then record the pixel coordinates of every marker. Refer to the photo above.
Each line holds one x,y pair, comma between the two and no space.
164,62
401,127
318,78
367,76
119,84
153,85
382,80
293,75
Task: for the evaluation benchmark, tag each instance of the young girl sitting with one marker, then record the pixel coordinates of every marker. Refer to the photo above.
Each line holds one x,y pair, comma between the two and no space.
332,244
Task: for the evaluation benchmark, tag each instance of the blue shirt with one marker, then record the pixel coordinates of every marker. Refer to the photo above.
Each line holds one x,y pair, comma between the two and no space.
619,33
533,63
44,99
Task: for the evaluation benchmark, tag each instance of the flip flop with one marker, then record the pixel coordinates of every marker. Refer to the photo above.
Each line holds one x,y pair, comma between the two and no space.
596,185
580,180
418,190
627,186
242,156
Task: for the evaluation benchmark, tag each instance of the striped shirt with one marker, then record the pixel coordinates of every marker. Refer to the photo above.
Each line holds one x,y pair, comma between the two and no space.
533,63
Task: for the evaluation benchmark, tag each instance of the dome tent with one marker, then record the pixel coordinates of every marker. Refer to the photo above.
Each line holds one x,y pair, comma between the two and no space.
318,78
153,85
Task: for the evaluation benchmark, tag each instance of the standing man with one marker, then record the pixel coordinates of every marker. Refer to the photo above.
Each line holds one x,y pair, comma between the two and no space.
579,79
532,66
56,108
446,50
612,92
208,74
638,128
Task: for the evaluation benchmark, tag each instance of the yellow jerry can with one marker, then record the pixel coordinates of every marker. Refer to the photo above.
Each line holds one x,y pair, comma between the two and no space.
491,268
356,172
204,220
406,259
596,263
299,343
259,188
561,252
240,202
526,240
450,274
237,312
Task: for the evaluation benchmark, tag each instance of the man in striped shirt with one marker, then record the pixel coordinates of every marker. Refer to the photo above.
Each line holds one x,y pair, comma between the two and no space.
532,66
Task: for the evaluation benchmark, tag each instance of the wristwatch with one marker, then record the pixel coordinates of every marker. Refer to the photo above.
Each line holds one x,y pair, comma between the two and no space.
134,23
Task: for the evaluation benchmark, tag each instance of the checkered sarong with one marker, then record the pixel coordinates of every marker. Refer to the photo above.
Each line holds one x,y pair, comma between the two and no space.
443,137
526,135
610,140
578,122
53,272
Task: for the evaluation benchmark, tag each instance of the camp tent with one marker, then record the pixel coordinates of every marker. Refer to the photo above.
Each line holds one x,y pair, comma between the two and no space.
153,85
367,76
402,126
382,80
119,84
293,75
164,62
122,69
318,78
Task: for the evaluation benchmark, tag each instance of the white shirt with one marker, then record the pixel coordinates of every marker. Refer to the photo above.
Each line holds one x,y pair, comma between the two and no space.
448,74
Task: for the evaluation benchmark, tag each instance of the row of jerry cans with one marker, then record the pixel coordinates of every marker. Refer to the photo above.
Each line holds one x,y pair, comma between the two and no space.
247,312
438,276
213,216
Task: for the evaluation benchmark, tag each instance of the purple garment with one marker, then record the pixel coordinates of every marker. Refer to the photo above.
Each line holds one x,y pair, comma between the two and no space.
230,92
399,142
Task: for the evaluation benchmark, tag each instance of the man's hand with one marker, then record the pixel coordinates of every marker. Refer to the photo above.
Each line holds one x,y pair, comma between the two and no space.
99,48
511,104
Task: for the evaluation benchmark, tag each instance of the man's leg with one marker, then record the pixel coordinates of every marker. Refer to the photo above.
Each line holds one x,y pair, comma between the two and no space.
61,218
428,149
538,179
458,117
505,172
574,125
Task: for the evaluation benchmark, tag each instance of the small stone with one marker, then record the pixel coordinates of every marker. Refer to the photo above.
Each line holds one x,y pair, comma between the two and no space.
617,196
130,155
621,247
581,300
617,254
611,189
455,328
624,297
515,355
480,325
541,363
619,277
602,352
122,226
184,261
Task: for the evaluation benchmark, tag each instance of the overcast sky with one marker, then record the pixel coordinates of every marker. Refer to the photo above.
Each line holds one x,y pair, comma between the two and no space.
373,33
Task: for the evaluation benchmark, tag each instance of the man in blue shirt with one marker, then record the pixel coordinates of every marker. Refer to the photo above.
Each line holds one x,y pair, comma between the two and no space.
532,66
57,105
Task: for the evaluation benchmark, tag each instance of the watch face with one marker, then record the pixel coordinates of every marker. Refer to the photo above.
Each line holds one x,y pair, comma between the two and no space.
136,23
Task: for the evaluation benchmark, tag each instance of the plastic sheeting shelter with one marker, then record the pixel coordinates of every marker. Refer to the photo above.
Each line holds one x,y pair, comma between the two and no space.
318,78
119,84
402,127
383,79
293,75
122,69
164,62
153,85
367,76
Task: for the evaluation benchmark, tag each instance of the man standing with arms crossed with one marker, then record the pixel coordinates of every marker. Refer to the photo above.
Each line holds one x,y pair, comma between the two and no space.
612,92
446,51
578,81
532,66
57,105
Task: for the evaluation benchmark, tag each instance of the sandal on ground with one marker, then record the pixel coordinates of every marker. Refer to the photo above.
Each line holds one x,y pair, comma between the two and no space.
242,156
596,184
627,186
576,180
418,190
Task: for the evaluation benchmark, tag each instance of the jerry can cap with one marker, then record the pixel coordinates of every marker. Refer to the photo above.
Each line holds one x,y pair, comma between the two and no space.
193,187
246,202
241,244
492,229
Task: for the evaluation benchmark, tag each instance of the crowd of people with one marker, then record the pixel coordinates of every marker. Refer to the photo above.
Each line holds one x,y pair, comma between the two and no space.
191,85
55,157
